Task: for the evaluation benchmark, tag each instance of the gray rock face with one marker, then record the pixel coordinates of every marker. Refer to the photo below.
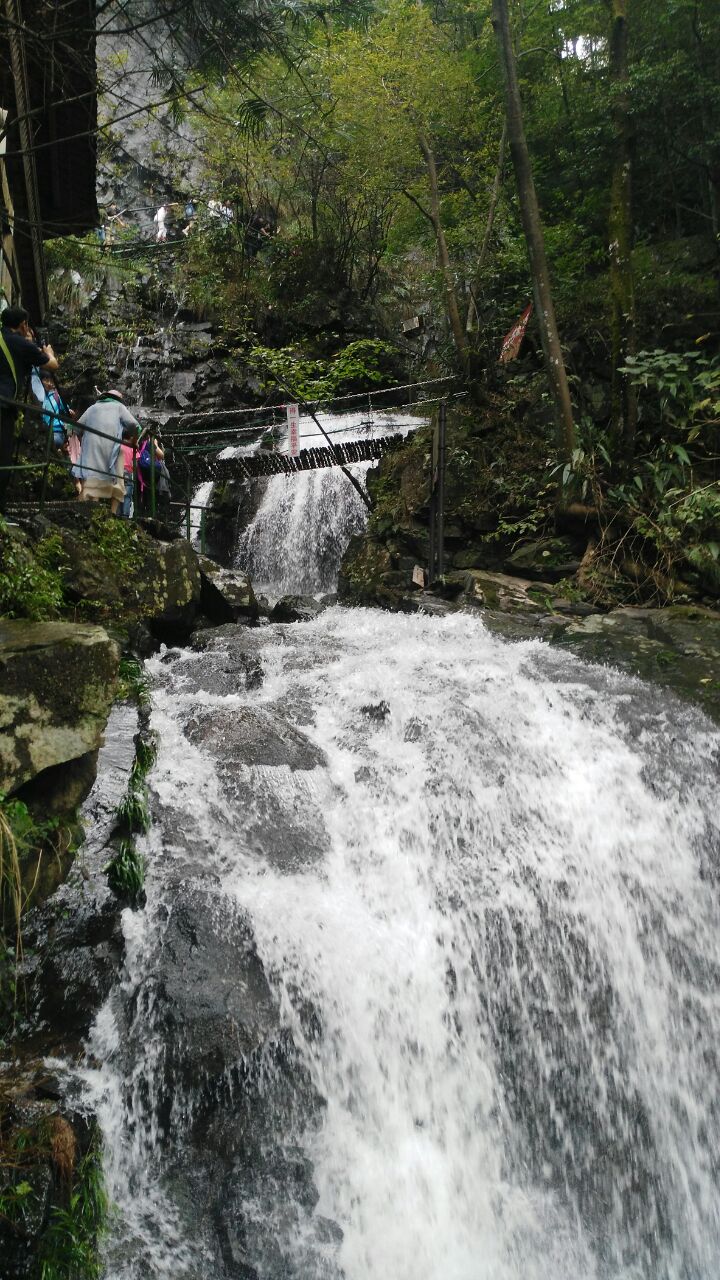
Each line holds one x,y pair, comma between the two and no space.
226,594
57,683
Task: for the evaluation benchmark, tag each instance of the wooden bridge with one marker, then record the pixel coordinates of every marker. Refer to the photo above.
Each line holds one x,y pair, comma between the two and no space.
250,466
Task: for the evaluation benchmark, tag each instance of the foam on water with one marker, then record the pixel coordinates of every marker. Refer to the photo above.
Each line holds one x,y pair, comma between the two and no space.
512,946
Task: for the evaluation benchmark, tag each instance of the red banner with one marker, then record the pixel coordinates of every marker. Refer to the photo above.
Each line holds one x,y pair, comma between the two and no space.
513,340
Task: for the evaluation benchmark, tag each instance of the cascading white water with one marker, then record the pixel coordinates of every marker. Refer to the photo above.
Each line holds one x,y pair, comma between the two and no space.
296,540
484,893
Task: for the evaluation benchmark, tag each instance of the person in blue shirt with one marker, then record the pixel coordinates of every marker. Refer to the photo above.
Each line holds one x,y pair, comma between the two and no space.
53,410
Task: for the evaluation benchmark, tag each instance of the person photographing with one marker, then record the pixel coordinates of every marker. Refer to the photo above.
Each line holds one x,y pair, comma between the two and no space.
19,355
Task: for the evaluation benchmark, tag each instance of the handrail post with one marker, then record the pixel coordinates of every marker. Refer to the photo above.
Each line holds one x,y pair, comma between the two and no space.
188,497
136,482
48,447
202,531
442,421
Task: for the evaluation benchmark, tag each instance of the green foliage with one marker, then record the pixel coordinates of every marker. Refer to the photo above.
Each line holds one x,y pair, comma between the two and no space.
132,813
30,587
126,872
70,1244
23,840
684,389
146,749
117,540
15,1201
132,683
359,366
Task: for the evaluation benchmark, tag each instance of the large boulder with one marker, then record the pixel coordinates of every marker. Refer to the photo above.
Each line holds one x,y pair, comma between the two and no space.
296,609
57,683
166,592
226,595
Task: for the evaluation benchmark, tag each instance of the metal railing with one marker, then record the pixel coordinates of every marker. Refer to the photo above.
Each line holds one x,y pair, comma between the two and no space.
149,505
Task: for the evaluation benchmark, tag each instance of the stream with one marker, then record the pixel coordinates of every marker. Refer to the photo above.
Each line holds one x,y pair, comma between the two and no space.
426,986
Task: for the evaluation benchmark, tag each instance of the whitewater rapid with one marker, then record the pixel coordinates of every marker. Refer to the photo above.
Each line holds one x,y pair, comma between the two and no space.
489,917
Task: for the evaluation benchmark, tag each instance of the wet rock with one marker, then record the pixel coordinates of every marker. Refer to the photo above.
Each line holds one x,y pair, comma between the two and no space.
226,595
252,736
74,949
167,589
678,647
296,609
211,997
58,681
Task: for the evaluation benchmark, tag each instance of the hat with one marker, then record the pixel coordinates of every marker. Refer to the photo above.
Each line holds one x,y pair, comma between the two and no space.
116,395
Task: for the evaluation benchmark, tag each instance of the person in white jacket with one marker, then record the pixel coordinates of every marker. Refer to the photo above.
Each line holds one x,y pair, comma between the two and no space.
159,218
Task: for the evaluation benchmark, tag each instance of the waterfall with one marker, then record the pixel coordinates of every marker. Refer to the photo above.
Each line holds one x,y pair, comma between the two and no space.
295,543
426,987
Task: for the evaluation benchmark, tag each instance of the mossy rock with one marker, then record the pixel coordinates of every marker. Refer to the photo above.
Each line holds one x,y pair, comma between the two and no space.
545,559
58,681
365,563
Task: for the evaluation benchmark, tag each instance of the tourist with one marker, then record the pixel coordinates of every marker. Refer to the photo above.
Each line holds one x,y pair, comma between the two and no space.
101,460
53,409
160,218
189,218
146,455
19,355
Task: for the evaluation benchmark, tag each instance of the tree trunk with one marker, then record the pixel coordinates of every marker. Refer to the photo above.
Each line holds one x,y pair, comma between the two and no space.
532,226
622,284
451,300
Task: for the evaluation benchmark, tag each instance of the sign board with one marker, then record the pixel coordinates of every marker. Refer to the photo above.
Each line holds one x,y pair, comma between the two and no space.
418,576
414,325
512,341
293,418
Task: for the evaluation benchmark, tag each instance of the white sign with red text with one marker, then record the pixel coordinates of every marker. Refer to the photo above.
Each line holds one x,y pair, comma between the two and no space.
293,417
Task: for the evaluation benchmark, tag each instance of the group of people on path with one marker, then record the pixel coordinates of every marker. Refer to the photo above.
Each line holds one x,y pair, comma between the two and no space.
107,448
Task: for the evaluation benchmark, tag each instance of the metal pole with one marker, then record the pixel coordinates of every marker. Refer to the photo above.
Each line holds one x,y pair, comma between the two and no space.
136,482
202,531
431,551
188,496
152,475
441,489
48,447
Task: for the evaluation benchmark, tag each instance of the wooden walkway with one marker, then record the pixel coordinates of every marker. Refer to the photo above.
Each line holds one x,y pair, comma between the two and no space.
274,464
